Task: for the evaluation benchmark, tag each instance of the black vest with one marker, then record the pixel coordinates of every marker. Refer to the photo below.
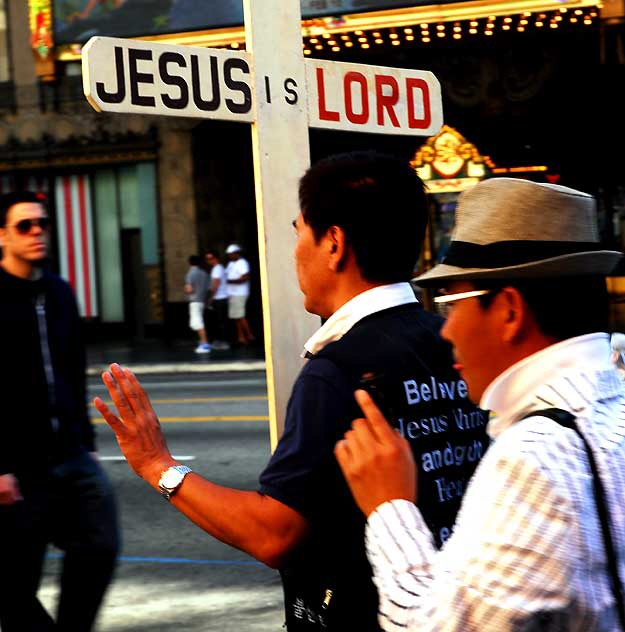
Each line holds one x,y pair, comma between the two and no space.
328,583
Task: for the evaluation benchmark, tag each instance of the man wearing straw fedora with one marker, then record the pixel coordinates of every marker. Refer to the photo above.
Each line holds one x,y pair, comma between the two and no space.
539,542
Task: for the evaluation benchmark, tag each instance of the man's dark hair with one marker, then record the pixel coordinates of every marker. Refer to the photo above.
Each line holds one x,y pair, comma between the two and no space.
564,307
194,260
378,200
10,199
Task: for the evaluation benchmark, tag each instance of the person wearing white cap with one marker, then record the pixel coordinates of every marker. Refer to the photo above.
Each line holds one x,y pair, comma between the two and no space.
238,275
539,542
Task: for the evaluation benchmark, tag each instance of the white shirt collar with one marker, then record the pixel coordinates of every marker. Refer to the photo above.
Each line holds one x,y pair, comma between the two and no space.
513,391
363,304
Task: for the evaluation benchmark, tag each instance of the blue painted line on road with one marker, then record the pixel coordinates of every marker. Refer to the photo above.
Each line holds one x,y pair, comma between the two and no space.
175,560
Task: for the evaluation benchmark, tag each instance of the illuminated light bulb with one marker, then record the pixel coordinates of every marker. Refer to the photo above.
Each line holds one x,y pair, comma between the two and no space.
426,40
409,38
593,14
424,26
344,37
573,20
563,10
507,20
490,25
364,46
558,18
523,22
349,44
527,14
542,16
441,34
393,36
306,51
313,40
395,42
520,29
440,27
379,41
457,28
539,24
336,49
506,27
488,32
235,45
553,25
319,47
578,11
473,31
362,39
376,34
326,35
408,31
332,42
457,36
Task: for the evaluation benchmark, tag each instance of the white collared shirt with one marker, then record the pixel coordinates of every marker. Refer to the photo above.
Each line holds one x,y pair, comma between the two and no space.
363,304
526,551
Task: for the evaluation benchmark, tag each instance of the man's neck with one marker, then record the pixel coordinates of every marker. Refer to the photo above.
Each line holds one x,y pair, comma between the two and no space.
349,291
22,269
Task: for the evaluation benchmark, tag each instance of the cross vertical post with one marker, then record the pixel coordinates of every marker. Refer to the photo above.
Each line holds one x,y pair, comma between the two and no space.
281,155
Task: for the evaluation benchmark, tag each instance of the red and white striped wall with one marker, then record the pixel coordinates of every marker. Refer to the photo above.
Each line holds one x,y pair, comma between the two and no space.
74,222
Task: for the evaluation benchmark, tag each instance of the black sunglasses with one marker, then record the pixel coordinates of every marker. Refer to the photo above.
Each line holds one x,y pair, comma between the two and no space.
24,226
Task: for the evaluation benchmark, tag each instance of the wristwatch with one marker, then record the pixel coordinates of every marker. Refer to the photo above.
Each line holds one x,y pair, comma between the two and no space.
171,479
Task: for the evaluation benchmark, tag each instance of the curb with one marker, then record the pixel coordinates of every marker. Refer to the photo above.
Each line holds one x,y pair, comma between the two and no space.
185,367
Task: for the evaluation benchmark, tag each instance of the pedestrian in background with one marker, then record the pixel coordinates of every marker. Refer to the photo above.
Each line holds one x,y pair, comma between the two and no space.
539,543
196,287
238,273
217,302
52,488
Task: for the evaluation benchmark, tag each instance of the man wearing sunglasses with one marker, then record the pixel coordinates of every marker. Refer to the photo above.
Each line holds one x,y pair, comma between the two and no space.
52,489
539,542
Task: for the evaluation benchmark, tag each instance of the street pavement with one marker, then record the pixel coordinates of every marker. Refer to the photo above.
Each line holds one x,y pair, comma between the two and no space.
172,575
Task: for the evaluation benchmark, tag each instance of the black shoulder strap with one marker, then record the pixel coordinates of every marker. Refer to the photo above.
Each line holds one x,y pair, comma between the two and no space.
567,420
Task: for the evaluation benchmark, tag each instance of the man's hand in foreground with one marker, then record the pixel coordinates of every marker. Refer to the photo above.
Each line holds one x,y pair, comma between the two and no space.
376,460
137,428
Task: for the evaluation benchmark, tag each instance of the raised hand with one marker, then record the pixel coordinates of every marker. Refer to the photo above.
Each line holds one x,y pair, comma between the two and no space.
137,428
376,460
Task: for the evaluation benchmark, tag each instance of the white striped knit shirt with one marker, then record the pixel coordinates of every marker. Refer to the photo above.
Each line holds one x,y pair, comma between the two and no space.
526,552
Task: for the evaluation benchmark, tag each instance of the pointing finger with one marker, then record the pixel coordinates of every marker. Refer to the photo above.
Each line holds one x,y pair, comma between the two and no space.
376,421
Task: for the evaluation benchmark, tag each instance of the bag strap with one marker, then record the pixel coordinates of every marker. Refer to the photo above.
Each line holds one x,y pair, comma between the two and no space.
567,420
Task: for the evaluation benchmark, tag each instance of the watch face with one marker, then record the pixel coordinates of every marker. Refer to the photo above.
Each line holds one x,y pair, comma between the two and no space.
171,478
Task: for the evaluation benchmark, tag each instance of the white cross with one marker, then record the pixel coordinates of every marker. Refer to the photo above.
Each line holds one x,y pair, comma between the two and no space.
282,94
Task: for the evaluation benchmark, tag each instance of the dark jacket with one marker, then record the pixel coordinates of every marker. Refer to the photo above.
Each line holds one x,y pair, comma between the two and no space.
44,415
327,580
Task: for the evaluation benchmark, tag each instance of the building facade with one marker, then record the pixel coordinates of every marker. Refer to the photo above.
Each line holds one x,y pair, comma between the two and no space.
530,84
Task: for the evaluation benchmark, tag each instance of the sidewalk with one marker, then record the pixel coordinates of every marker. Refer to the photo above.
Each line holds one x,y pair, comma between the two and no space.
157,356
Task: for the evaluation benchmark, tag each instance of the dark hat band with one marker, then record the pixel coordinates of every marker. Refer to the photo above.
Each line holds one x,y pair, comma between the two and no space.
503,254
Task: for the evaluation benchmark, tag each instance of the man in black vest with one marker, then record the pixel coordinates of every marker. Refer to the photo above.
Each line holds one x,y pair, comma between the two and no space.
359,232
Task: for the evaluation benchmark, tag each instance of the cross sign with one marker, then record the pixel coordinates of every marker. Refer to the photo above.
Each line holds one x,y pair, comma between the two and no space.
282,94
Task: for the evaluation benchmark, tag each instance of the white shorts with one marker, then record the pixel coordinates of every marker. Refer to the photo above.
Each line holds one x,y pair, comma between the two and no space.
196,315
236,307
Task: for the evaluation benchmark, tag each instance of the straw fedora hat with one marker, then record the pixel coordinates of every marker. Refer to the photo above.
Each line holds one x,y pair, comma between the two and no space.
508,228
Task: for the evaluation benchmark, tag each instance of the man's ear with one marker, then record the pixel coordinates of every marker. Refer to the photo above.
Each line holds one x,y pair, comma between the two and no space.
337,247
514,313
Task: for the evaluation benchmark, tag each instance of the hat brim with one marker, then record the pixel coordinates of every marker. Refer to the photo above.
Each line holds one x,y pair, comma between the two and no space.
598,262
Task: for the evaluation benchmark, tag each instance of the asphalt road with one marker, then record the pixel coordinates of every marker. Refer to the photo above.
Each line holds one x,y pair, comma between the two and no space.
173,576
